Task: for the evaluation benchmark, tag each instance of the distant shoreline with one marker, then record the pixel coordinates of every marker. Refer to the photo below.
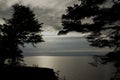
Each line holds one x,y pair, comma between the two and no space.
76,54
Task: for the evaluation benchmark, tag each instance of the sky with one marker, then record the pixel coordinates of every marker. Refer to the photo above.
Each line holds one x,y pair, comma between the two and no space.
48,12
63,46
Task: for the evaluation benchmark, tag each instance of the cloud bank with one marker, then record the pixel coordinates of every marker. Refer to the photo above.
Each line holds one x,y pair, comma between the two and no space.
47,11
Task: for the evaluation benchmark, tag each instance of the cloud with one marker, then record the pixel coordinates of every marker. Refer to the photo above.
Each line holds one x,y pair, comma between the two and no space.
47,11
43,16
54,5
2,21
49,31
2,3
77,34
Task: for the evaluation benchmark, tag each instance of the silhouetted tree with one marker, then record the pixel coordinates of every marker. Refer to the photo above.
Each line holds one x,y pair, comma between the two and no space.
21,28
99,18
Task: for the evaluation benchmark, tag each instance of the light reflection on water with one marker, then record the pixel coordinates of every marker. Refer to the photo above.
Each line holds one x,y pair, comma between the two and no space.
73,67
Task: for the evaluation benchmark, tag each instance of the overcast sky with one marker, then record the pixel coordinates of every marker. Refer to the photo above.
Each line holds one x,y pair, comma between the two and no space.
47,11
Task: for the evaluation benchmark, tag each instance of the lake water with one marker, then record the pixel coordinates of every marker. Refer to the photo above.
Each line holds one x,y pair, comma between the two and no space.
63,46
73,67
71,56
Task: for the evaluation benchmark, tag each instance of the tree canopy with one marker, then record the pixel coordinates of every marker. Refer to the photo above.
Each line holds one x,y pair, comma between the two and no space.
100,18
21,28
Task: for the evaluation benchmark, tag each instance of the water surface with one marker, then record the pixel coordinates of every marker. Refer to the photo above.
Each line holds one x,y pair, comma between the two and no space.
73,67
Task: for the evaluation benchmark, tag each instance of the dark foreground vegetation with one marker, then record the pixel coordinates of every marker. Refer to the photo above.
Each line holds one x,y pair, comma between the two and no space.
26,73
101,20
20,29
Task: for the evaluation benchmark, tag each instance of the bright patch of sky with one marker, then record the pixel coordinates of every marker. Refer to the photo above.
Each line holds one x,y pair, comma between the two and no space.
2,21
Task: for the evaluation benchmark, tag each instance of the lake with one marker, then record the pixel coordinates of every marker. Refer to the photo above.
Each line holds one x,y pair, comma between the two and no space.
63,46
73,67
69,55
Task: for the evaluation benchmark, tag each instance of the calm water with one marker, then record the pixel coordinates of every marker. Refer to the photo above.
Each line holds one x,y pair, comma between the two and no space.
73,67
63,46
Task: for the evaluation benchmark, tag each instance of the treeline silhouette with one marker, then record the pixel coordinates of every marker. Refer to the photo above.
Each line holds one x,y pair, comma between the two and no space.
101,19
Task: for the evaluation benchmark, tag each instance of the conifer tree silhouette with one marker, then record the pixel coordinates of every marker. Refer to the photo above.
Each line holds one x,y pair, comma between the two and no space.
21,28
103,25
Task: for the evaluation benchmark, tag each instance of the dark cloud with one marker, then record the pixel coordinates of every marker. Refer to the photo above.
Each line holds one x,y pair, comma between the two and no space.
47,11
5,13
44,16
